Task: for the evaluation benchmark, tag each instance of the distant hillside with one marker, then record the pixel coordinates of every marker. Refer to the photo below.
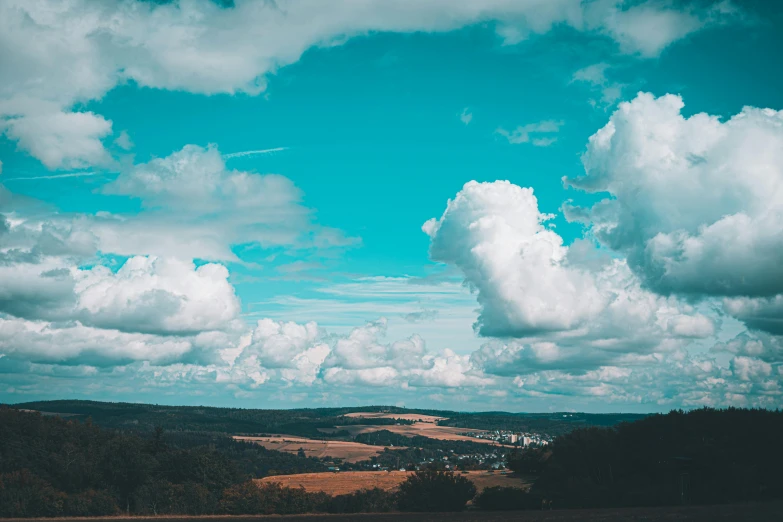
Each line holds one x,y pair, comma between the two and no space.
306,422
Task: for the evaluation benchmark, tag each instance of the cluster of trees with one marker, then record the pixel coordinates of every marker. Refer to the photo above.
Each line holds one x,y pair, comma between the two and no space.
252,459
703,456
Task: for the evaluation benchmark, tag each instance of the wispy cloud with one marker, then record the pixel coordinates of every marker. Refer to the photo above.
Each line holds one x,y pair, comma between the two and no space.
531,132
466,116
57,176
253,152
595,76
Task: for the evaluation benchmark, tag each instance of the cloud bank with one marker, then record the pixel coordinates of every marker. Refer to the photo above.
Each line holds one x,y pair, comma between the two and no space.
62,54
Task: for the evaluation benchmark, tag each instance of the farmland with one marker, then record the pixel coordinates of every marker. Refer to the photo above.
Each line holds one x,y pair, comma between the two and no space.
346,450
415,417
424,429
350,481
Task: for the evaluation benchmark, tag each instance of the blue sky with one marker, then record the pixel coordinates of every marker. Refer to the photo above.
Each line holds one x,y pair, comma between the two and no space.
165,191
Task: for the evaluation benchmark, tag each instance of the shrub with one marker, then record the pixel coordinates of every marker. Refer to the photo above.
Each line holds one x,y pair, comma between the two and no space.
374,500
498,498
250,498
435,491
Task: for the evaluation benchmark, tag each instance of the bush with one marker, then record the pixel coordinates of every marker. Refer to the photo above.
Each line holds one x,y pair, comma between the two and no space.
374,500
435,491
498,498
250,498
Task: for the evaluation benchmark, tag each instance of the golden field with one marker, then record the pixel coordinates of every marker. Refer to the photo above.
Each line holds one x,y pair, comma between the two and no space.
348,451
350,481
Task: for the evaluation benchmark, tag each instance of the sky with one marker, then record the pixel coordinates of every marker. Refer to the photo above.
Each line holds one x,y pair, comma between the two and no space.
517,205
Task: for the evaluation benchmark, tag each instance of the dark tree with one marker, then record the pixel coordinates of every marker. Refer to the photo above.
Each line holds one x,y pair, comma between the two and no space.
499,498
435,491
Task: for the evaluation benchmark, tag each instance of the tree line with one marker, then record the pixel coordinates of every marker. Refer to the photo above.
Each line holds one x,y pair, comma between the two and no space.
704,456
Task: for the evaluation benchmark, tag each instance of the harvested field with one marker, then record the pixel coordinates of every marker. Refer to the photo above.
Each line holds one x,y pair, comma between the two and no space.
348,451
350,481
425,429
404,416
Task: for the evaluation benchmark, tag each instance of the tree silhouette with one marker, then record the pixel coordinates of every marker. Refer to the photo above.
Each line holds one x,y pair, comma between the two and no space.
435,491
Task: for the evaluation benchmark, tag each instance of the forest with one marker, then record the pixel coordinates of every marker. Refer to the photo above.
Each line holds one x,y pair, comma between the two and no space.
70,466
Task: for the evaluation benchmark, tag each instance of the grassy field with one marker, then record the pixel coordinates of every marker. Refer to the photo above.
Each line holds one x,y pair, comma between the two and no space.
349,451
349,481
767,512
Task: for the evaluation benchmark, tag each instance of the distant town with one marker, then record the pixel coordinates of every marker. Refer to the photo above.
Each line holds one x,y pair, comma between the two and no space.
508,437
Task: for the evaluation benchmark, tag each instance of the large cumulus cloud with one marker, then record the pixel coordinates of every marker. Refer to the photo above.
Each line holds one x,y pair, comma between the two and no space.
696,203
530,285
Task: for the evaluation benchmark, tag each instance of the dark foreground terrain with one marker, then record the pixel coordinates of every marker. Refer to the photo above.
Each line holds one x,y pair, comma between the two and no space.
756,512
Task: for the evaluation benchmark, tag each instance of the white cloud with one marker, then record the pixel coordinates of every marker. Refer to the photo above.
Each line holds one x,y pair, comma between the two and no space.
696,203
278,344
63,53
528,285
748,369
757,344
157,295
61,139
495,234
595,76
450,370
41,279
197,178
124,141
73,342
362,349
466,116
198,208
305,354
648,28
531,133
